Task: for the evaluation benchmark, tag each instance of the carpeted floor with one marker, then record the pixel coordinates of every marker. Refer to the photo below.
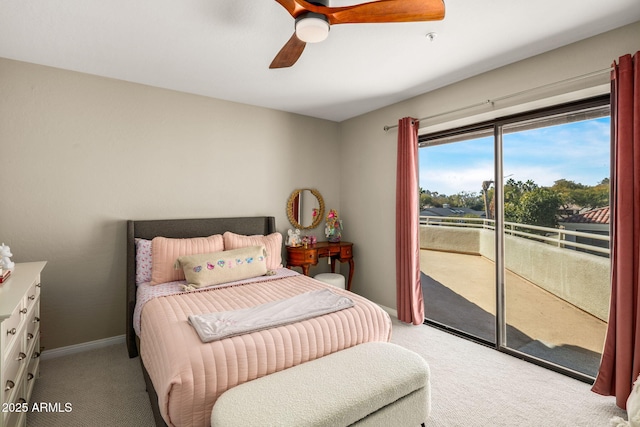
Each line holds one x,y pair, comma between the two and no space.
104,387
472,385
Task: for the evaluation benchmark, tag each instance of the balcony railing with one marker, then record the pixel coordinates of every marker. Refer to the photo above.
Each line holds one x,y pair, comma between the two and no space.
555,236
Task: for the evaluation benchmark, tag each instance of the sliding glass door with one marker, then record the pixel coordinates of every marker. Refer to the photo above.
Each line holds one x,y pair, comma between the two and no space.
514,234
556,263
457,238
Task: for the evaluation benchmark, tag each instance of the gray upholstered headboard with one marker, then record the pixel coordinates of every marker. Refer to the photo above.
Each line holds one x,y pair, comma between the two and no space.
180,228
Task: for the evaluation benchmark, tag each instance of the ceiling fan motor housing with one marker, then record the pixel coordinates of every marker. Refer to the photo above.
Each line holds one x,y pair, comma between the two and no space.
312,27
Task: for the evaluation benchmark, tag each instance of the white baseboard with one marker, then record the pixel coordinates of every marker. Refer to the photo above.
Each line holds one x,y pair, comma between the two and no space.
79,348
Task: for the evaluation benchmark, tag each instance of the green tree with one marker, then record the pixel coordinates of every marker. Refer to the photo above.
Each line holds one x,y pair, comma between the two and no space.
528,203
539,207
513,192
466,199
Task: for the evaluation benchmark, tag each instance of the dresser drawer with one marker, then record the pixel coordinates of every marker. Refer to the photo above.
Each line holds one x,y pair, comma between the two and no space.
14,361
10,328
32,294
11,418
33,323
33,368
33,371
16,409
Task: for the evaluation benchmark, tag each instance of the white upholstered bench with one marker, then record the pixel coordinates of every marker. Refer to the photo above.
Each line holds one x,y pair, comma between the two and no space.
371,384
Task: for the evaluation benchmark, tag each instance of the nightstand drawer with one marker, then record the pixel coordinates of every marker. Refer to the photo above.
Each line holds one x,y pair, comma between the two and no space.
311,256
301,256
346,252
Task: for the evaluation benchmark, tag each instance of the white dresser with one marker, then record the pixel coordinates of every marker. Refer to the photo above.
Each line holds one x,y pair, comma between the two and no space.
19,341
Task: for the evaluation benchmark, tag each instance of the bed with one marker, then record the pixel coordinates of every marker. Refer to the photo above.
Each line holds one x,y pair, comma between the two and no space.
185,376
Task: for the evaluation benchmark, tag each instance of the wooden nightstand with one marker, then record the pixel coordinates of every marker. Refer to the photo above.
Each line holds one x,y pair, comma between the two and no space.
300,256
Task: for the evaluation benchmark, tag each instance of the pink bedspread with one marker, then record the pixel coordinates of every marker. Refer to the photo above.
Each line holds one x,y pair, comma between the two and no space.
189,375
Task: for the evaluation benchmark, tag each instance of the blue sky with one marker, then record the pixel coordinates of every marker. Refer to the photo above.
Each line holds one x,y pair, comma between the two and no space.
576,151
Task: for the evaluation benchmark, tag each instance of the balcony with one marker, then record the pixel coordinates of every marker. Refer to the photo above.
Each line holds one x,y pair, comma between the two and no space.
556,290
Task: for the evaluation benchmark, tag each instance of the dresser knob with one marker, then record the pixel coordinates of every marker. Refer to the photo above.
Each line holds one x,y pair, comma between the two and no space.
38,285
32,297
23,311
10,385
36,319
21,356
36,354
29,336
11,331
22,400
30,376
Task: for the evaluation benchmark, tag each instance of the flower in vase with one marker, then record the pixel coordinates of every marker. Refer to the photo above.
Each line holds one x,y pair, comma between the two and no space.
333,227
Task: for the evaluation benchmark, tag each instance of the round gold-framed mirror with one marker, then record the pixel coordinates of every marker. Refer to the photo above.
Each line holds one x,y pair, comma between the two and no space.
305,208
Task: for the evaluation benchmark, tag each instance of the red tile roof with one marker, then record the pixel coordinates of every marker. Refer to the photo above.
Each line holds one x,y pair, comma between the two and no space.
594,216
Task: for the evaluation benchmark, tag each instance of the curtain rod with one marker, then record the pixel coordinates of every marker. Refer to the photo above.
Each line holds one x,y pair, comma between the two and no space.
513,95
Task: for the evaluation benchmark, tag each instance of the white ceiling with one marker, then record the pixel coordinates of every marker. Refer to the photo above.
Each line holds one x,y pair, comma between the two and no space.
223,48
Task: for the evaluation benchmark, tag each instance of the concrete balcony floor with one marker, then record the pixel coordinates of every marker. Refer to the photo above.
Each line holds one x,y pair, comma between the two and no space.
459,291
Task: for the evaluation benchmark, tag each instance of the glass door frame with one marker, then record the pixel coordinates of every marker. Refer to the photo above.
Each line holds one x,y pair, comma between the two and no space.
497,126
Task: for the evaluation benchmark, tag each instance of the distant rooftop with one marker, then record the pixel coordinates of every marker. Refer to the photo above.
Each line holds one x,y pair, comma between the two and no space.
594,216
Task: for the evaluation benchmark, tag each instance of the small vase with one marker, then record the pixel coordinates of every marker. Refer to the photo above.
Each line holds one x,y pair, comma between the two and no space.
335,235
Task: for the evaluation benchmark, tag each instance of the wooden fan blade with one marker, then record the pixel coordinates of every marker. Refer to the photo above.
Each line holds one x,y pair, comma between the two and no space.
291,6
376,11
289,53
386,11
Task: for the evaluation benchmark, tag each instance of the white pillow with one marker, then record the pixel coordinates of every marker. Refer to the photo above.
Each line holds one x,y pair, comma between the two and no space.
215,268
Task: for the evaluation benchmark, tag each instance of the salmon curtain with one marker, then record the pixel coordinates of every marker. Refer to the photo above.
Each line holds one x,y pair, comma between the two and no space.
408,288
620,363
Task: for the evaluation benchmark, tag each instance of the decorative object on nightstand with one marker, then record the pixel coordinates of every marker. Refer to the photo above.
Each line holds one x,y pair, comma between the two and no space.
294,238
19,340
4,275
5,260
333,228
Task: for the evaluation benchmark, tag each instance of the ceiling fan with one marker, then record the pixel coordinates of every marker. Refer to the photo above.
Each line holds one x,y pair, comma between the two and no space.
313,20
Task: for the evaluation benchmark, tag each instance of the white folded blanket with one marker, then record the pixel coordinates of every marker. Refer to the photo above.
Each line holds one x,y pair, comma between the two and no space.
215,326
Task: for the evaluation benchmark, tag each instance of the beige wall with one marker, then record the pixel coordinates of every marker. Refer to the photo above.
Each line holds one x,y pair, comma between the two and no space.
369,154
82,154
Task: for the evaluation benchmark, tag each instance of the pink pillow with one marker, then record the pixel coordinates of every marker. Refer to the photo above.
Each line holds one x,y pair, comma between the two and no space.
143,261
272,242
165,252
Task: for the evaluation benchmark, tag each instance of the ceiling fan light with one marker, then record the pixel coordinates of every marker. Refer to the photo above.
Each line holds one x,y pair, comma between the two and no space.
312,29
